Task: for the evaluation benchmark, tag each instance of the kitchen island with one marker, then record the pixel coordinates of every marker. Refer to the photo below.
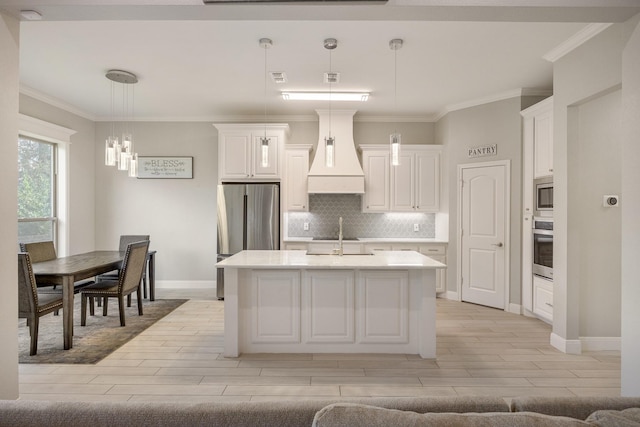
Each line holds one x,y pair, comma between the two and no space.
294,302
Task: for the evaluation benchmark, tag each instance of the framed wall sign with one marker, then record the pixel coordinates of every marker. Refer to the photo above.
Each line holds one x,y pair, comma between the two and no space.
165,167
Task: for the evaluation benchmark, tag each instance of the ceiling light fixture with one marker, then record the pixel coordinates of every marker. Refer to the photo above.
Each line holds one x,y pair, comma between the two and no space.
264,141
326,96
395,139
330,141
118,153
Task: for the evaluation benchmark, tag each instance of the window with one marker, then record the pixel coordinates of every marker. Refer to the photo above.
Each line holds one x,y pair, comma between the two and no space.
37,165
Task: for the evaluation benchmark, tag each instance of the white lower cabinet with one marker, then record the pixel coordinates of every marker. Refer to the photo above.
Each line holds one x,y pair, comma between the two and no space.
379,294
328,306
543,298
275,306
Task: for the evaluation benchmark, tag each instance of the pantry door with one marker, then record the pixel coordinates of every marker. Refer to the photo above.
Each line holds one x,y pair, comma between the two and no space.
484,233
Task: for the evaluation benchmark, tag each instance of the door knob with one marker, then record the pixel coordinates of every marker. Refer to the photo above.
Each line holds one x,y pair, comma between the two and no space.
497,244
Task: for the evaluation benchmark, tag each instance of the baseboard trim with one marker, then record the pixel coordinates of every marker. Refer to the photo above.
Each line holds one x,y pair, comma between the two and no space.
181,284
566,346
452,295
514,308
600,343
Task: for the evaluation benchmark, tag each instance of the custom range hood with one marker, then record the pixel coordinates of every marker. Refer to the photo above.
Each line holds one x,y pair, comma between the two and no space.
345,176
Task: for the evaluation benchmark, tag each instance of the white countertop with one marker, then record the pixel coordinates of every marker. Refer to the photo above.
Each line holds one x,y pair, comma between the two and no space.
369,240
396,260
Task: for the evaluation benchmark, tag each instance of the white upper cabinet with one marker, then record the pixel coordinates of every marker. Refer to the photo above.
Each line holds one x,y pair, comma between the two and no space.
416,181
241,155
412,186
296,172
375,165
543,142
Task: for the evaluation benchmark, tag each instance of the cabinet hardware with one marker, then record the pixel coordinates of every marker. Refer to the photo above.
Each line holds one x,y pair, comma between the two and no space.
550,305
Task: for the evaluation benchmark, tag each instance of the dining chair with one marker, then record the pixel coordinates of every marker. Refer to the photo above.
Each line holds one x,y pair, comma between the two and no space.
125,239
134,262
33,304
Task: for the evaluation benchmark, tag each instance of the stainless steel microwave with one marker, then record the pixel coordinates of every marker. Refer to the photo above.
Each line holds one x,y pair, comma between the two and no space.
544,194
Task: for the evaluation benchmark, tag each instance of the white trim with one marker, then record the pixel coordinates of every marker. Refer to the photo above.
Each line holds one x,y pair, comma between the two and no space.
186,284
515,308
55,102
36,128
575,41
565,346
493,98
507,225
600,343
451,295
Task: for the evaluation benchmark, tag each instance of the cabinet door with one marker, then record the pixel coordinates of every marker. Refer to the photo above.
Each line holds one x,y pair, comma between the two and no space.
427,181
376,182
543,145
235,155
543,298
275,306
403,184
297,169
382,307
439,253
270,168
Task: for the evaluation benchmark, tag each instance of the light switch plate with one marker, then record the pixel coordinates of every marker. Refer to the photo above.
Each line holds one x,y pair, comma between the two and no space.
306,226
416,227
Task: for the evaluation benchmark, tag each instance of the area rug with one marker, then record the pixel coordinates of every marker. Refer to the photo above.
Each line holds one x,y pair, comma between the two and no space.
98,339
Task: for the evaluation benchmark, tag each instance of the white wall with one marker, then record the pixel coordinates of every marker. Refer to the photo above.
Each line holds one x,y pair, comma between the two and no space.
178,214
9,44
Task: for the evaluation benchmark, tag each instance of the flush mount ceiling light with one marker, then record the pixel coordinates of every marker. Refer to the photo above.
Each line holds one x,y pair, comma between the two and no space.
326,96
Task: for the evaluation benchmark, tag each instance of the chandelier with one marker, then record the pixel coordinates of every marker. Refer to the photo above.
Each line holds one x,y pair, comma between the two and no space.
119,150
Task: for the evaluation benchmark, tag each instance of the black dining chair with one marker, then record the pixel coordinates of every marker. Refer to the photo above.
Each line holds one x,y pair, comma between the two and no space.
33,304
134,262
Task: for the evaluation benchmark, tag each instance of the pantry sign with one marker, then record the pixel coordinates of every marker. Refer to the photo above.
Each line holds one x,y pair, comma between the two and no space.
165,167
483,151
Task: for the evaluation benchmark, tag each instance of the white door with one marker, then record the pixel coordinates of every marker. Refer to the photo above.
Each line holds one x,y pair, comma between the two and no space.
484,225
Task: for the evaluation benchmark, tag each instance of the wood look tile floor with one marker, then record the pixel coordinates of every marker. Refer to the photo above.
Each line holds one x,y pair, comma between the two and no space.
481,351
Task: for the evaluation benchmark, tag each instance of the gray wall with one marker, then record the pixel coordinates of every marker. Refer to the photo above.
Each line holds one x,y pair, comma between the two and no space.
178,214
82,189
494,123
582,80
9,55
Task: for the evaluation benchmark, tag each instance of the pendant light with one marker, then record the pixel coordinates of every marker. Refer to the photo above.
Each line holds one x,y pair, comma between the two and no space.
264,141
330,141
395,139
120,154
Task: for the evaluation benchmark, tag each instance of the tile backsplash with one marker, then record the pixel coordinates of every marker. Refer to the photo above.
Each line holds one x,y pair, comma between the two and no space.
326,209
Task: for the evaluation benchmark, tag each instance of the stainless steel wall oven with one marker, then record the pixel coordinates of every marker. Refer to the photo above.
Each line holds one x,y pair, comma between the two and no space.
543,247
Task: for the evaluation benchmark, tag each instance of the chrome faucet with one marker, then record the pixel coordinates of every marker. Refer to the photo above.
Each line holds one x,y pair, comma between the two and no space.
340,248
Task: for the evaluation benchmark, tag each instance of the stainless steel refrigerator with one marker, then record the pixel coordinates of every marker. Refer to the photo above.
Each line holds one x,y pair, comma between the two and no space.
248,218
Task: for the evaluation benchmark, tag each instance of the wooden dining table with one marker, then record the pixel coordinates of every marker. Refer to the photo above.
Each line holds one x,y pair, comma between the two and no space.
65,271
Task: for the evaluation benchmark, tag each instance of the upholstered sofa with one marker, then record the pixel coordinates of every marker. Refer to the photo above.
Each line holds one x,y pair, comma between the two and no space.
420,411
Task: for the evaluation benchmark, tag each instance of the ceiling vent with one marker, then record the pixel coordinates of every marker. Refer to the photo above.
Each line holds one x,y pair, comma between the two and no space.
278,77
332,77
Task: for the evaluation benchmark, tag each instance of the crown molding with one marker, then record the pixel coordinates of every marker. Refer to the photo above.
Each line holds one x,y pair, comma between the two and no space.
575,41
494,98
55,102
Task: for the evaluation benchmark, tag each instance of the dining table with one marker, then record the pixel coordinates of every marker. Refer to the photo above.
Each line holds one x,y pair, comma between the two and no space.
65,271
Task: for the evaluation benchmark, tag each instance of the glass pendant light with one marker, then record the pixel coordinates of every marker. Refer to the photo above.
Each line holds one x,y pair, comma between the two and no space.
118,153
329,141
395,139
264,141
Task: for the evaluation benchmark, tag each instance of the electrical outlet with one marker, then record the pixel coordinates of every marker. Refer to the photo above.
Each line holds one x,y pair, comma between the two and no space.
306,226
416,227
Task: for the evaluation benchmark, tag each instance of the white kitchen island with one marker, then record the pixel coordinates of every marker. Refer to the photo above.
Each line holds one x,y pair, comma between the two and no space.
292,302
